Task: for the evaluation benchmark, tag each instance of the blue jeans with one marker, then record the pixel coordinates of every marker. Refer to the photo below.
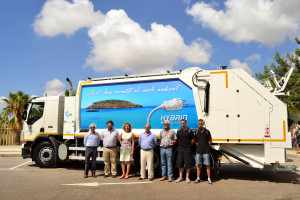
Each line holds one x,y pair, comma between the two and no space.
205,157
166,162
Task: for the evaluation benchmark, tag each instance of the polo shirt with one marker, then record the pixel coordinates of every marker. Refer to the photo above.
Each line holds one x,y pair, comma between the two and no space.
185,138
203,138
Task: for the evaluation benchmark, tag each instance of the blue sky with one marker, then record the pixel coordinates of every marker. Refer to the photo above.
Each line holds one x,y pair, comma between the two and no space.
44,42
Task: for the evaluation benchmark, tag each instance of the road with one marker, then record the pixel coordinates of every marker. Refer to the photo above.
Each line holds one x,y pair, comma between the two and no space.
22,179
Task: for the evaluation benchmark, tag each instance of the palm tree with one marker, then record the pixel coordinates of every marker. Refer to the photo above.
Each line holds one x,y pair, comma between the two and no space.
12,113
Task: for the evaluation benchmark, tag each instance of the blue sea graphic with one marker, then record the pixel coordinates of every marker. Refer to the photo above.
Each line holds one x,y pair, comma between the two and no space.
148,94
137,117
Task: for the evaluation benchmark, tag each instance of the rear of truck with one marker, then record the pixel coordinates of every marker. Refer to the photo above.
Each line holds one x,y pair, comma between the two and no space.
247,122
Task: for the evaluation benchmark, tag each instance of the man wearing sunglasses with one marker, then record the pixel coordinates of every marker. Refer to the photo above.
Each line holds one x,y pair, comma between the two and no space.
91,142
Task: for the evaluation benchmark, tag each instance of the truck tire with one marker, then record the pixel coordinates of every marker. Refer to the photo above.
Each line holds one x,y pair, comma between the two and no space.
215,169
44,155
156,163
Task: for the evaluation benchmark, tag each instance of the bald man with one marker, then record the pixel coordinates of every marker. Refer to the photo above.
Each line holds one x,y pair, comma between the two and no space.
147,142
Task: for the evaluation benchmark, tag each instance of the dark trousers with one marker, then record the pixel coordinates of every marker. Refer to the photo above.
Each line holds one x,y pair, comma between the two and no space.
90,152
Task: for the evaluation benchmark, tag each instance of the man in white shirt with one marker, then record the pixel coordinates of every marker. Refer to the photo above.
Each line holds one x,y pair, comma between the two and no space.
110,139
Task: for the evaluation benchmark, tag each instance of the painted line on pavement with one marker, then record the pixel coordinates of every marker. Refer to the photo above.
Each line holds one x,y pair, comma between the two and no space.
96,184
20,165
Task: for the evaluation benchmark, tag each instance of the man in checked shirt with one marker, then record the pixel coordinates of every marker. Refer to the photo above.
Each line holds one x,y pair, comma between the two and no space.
168,138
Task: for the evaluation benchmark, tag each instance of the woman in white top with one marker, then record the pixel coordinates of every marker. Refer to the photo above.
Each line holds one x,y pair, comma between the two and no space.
127,147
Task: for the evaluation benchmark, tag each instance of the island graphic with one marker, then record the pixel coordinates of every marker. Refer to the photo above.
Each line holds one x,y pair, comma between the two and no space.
113,104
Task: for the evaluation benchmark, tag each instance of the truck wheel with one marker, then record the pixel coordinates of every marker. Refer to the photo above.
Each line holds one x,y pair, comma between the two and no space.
215,169
44,155
156,163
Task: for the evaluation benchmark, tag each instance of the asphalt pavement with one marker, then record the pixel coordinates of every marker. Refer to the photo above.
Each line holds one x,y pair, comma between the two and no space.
23,179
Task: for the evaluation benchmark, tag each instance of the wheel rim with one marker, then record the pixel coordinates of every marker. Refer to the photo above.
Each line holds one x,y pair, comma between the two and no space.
46,154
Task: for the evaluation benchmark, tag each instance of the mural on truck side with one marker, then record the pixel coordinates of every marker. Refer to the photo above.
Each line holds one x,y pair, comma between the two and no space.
138,103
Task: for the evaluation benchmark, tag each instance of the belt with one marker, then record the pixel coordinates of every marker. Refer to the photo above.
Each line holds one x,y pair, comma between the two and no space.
147,149
110,147
91,146
167,147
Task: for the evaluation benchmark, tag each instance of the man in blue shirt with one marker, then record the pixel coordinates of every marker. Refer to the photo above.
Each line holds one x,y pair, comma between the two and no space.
91,142
147,142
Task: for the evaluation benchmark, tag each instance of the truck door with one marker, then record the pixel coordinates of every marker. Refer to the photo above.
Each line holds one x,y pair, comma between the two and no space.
35,121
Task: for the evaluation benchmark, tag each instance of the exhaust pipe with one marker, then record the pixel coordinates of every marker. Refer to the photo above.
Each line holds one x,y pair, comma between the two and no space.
71,89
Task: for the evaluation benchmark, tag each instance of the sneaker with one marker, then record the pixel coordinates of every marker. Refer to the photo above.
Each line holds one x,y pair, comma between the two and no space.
187,180
197,180
209,182
179,180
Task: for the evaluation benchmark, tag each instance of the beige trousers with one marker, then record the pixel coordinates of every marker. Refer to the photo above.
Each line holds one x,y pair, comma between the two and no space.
147,158
110,156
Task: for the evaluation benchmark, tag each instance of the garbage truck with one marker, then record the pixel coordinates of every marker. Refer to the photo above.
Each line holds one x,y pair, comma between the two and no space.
246,121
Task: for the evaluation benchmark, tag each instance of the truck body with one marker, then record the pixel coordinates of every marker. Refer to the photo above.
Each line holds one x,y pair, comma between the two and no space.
246,121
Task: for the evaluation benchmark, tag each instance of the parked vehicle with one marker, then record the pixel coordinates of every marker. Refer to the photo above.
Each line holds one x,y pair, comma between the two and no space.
245,119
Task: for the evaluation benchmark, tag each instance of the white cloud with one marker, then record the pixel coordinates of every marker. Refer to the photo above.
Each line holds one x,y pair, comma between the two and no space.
265,21
118,42
237,64
121,44
2,104
63,17
55,88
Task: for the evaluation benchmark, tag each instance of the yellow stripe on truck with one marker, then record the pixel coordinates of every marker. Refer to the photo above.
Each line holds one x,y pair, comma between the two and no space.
86,82
257,140
226,76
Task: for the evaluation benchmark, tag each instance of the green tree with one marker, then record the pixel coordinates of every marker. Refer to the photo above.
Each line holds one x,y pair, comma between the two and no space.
12,113
280,66
67,93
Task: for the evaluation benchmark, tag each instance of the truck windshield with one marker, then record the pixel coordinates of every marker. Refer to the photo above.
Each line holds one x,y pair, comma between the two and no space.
36,112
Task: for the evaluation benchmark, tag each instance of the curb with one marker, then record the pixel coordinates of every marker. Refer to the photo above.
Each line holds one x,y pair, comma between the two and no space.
10,154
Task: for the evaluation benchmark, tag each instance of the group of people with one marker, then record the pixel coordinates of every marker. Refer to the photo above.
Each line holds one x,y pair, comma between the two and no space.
184,137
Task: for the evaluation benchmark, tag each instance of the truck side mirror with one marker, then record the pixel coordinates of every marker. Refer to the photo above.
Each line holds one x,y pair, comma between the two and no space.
24,115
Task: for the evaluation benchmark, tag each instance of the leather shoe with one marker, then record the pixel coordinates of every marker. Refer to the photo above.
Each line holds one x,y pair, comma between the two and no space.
140,178
162,179
105,176
113,176
85,176
170,180
150,179
94,175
